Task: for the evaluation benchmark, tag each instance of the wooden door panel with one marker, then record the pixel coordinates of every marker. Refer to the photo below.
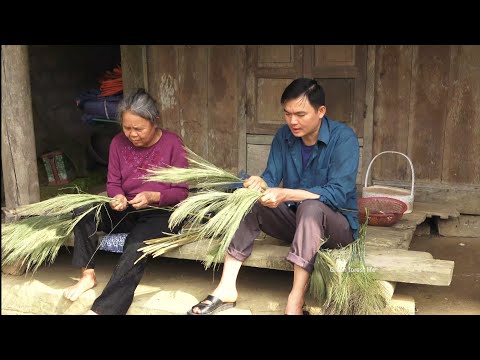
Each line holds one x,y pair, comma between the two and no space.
269,110
270,68
275,56
333,55
342,62
339,99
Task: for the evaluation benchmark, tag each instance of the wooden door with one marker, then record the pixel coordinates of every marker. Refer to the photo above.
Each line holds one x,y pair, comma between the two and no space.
340,69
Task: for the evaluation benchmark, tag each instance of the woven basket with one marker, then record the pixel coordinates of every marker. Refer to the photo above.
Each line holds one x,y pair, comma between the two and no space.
382,211
390,191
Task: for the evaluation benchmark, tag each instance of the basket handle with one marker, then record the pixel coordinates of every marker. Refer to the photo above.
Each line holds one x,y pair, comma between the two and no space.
392,152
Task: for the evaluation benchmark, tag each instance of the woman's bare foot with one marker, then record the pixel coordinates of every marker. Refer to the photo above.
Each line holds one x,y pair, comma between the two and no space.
226,295
87,281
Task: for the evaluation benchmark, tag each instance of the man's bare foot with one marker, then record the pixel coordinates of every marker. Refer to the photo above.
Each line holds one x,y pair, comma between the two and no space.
87,281
294,305
226,295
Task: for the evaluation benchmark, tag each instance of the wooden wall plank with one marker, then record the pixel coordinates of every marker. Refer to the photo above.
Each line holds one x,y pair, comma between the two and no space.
359,111
222,106
163,83
193,90
334,55
392,95
275,56
132,67
428,100
461,164
339,100
242,106
369,102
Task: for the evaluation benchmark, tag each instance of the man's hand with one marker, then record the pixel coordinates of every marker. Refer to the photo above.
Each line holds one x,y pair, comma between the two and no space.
120,202
273,197
255,183
144,198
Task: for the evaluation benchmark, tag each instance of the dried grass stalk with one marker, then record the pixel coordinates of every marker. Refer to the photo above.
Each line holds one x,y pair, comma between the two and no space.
46,226
343,284
218,229
61,204
225,223
200,174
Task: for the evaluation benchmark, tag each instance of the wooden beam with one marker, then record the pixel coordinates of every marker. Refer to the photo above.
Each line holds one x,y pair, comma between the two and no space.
388,264
19,158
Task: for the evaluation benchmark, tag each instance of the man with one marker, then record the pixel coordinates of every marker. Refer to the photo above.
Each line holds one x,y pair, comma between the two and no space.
317,160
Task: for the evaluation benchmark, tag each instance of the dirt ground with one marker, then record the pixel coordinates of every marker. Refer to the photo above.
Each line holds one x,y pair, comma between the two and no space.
462,297
264,291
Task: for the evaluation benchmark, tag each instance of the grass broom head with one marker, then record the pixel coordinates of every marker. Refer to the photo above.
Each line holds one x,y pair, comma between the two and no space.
343,284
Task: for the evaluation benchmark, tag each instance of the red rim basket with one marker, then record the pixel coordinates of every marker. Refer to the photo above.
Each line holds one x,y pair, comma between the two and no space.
382,211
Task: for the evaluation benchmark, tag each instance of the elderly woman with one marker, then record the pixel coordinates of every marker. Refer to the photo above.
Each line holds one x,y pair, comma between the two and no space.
141,145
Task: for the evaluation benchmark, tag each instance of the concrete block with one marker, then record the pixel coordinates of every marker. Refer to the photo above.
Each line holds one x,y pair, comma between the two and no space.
463,226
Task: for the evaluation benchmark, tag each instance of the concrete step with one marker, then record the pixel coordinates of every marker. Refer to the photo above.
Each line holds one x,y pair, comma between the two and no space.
169,287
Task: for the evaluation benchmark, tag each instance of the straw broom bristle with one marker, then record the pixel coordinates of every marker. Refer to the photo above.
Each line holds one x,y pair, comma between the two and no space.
37,238
225,223
200,174
218,229
194,212
60,204
34,240
195,208
342,283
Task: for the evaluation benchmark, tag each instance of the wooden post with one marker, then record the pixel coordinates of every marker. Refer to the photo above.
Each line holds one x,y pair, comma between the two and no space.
19,159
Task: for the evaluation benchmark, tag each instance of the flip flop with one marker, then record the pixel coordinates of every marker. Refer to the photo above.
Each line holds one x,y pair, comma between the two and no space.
215,306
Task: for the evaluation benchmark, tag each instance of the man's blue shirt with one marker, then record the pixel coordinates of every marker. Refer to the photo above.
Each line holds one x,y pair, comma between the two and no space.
331,171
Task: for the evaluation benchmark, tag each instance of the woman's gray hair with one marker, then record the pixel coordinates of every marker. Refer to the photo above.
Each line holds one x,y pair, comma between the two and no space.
140,103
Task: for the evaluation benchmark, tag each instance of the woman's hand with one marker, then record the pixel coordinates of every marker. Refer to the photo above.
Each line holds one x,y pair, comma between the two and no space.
143,199
255,183
120,202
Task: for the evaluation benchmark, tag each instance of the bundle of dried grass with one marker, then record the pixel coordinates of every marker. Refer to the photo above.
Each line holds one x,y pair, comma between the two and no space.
61,204
209,214
200,174
44,228
343,284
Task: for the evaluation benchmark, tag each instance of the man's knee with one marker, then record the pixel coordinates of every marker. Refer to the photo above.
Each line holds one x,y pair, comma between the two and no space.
313,207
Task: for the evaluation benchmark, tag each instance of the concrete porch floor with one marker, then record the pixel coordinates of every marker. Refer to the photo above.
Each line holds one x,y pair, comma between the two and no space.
169,286
173,286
